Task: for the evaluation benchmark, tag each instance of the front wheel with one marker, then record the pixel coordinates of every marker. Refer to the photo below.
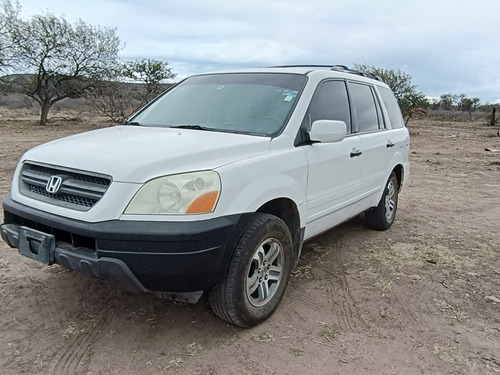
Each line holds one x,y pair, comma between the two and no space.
382,216
257,275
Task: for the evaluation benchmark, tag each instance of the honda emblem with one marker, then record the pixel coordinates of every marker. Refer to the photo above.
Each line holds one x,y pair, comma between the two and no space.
53,184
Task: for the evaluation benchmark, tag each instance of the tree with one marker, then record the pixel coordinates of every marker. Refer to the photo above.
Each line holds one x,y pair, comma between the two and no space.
9,13
150,72
459,101
446,102
409,98
469,105
114,100
118,100
60,60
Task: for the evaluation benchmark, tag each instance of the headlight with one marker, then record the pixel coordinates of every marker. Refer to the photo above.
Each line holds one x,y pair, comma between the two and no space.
187,193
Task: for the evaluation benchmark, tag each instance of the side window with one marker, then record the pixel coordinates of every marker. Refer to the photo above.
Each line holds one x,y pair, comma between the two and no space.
330,102
366,107
392,106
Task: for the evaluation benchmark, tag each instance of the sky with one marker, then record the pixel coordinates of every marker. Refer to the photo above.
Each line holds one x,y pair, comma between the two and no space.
447,46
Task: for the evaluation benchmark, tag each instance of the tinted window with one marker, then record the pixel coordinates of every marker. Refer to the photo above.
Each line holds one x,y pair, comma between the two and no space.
365,107
392,106
330,102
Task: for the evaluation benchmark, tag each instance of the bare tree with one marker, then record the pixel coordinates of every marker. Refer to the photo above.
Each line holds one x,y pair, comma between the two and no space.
118,100
114,100
59,60
9,14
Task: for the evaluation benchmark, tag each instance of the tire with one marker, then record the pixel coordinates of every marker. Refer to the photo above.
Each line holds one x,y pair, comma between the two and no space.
257,275
382,216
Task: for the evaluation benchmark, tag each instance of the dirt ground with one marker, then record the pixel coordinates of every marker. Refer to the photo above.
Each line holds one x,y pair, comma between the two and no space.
421,298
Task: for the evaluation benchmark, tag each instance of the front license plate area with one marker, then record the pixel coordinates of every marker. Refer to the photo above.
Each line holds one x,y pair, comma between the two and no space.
37,245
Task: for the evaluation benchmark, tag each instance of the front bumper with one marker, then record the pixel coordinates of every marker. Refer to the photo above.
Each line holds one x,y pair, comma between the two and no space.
165,257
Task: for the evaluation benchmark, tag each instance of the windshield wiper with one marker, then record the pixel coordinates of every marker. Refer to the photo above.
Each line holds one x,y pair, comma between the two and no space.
196,127
132,123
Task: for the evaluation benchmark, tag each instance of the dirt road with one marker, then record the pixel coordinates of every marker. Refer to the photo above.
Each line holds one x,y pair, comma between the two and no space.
421,298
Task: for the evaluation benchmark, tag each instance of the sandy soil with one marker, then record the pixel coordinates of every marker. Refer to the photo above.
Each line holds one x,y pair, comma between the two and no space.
421,298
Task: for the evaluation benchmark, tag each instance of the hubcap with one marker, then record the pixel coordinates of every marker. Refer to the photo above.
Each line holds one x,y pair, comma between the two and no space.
264,272
390,200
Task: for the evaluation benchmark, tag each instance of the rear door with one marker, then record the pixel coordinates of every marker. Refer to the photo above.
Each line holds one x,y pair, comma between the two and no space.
377,144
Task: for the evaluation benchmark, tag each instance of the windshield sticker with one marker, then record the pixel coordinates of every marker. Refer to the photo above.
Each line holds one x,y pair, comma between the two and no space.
289,95
220,87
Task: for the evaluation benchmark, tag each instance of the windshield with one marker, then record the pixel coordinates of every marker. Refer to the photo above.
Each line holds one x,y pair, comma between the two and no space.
242,103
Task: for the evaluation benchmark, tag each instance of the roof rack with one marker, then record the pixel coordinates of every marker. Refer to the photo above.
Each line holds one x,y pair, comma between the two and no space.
337,68
343,68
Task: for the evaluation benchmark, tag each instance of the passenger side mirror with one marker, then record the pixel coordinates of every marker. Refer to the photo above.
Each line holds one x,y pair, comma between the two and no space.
327,131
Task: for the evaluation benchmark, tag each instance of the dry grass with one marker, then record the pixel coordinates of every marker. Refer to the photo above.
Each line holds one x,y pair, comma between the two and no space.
329,332
297,352
452,312
451,355
406,259
384,286
81,326
264,337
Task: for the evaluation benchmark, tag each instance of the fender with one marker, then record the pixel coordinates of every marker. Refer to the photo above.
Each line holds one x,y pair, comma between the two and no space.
284,175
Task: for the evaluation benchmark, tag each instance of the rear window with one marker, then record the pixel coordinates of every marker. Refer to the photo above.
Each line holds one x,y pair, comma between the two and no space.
392,106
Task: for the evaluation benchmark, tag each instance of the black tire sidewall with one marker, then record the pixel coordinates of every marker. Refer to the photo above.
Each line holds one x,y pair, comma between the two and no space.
376,218
387,222
262,228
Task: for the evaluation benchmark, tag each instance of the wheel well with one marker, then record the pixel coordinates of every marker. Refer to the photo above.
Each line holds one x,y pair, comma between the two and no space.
287,211
399,171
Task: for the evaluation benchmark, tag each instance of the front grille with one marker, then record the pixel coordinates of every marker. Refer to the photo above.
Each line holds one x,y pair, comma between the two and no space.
78,190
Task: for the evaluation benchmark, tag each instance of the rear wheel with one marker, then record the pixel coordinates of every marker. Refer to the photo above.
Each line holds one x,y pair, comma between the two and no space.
382,216
258,273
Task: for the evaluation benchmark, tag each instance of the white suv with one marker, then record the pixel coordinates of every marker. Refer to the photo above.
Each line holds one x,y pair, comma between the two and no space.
214,186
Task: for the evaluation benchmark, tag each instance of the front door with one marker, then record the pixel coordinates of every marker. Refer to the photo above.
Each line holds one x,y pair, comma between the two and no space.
334,169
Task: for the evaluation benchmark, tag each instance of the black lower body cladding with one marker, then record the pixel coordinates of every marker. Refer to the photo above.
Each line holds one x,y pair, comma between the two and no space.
153,256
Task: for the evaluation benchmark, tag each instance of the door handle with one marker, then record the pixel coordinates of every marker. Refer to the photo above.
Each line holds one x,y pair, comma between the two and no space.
355,153
390,144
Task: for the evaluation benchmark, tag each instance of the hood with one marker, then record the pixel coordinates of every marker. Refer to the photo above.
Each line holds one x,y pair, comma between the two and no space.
138,154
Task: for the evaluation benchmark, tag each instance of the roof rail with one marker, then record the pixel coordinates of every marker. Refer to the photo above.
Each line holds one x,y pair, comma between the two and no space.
302,66
338,68
343,68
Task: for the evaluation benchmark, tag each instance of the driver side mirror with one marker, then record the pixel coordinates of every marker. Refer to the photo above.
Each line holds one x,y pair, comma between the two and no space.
327,131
